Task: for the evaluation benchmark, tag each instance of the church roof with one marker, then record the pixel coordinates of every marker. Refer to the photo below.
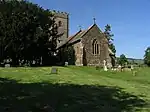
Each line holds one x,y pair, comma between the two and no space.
80,34
70,40
77,35
77,38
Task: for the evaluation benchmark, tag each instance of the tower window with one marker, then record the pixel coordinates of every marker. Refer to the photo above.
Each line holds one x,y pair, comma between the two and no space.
59,23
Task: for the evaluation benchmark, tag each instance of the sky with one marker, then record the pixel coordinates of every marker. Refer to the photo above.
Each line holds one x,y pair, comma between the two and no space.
129,19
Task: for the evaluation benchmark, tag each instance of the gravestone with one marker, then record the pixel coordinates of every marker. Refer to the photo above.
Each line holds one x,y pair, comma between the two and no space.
119,67
104,65
7,65
66,63
132,67
54,70
33,62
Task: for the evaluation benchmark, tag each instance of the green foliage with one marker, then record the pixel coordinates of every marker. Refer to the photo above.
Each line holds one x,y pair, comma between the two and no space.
147,56
67,54
109,36
122,60
108,33
24,29
112,47
71,55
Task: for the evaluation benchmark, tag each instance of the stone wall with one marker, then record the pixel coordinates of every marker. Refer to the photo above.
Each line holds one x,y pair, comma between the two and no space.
87,40
79,54
64,28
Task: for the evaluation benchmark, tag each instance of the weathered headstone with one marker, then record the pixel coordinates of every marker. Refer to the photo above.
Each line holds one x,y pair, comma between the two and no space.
54,70
33,62
7,65
119,67
109,65
66,63
132,67
104,65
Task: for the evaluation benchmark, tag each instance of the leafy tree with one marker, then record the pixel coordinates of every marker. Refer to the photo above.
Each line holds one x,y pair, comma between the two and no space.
67,54
122,60
71,55
147,56
109,36
24,29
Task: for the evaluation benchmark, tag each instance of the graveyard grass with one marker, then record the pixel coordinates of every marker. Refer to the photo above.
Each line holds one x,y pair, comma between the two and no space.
73,89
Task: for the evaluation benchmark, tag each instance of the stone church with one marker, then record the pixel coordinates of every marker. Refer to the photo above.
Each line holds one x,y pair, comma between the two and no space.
90,45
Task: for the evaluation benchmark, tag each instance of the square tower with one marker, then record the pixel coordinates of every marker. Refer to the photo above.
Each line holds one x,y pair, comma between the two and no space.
62,20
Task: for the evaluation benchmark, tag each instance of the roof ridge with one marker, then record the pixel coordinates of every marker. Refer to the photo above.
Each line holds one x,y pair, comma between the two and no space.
71,37
81,33
88,29
75,34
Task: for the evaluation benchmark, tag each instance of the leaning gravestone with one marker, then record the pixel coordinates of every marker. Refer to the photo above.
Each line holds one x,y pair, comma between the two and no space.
54,70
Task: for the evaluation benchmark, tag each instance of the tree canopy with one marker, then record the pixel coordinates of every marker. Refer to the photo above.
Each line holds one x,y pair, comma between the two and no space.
109,36
147,56
27,32
122,60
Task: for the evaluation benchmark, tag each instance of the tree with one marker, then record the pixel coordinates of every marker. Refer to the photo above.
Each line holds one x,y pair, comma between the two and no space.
71,55
122,60
24,29
67,54
109,36
147,56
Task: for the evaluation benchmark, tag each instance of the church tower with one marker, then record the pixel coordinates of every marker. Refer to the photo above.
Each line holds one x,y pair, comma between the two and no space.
62,20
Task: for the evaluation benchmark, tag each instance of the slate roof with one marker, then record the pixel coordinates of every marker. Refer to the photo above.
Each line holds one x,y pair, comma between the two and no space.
72,39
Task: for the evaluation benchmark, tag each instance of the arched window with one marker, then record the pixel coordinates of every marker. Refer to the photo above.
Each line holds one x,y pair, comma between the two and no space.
95,47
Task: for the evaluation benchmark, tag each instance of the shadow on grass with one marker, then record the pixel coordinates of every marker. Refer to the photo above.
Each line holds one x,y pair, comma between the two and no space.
46,97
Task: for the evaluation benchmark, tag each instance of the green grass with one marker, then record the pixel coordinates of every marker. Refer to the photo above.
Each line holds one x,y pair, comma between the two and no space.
73,89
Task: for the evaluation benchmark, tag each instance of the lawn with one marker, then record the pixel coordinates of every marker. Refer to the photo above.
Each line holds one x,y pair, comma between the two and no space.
73,89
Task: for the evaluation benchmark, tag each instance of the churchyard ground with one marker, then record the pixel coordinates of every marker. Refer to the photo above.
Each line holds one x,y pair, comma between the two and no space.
73,89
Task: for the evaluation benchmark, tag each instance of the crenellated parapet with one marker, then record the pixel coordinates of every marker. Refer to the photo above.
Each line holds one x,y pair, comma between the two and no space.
60,14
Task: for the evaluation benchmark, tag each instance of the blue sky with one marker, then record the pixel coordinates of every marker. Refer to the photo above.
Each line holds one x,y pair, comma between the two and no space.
130,20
